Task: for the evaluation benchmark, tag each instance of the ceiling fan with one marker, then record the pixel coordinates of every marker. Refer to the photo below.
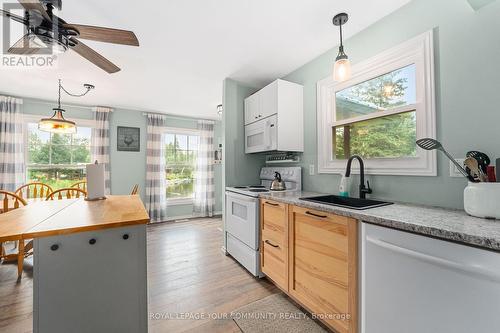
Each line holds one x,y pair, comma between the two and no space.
47,31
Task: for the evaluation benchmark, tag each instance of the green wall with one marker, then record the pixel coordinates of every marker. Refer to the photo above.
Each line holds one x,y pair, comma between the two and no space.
239,168
129,168
467,67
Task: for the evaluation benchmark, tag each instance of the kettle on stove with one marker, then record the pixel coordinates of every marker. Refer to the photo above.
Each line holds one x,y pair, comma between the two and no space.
278,184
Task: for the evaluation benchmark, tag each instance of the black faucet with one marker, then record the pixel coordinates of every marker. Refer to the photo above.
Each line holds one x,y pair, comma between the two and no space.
362,189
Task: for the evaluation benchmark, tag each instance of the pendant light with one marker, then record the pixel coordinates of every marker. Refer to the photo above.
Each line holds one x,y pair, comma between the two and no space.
342,67
57,123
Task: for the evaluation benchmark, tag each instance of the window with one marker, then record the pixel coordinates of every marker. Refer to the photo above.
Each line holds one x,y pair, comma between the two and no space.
380,112
57,160
181,147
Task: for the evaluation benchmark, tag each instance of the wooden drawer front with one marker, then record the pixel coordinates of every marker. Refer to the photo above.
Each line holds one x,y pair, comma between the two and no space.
274,260
274,219
274,242
323,258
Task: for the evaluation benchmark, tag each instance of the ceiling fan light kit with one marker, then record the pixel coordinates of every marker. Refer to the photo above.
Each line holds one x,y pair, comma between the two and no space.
47,31
57,123
342,66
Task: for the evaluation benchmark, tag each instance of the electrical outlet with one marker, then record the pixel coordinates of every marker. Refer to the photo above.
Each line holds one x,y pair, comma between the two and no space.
311,170
454,170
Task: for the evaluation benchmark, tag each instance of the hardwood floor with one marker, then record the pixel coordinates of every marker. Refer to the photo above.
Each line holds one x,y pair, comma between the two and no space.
189,278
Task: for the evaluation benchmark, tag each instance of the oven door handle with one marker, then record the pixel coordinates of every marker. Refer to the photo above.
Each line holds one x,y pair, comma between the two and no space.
240,197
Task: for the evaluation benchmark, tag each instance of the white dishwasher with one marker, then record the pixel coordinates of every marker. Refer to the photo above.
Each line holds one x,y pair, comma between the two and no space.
416,284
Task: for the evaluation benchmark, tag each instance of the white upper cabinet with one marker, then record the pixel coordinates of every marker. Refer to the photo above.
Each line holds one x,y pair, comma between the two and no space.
274,116
252,108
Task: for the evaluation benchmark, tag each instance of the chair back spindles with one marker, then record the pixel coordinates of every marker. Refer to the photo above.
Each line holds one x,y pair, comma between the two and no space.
34,190
67,193
11,201
82,185
135,190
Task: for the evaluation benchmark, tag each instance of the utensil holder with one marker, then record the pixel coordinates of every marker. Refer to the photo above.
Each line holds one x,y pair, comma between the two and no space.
482,200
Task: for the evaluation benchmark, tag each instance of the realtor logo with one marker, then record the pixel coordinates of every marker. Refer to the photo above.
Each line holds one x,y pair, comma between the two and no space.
30,36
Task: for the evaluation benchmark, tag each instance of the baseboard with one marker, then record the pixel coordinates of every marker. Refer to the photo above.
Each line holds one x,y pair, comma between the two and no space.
189,216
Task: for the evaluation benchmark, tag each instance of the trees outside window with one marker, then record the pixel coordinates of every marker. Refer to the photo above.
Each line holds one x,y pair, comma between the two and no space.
181,148
57,160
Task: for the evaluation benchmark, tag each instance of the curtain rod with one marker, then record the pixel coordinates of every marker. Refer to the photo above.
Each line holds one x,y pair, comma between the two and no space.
179,117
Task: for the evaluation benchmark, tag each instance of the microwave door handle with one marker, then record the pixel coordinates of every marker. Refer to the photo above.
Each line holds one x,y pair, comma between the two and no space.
268,137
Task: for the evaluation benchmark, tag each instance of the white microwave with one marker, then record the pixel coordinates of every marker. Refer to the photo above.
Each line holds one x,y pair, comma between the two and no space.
262,135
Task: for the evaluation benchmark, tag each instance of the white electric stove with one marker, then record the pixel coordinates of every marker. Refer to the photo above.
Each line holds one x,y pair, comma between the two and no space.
242,215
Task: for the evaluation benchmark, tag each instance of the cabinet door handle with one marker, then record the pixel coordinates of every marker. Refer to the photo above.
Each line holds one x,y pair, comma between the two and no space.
125,236
54,247
269,243
316,215
272,204
92,241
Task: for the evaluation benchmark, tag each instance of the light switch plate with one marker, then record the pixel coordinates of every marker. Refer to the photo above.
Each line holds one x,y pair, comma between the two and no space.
454,170
311,170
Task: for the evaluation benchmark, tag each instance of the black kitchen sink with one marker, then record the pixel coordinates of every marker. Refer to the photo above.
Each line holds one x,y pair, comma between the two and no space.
353,203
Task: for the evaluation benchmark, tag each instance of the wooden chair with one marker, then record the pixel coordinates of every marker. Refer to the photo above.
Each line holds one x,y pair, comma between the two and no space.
70,193
11,201
135,190
82,185
34,190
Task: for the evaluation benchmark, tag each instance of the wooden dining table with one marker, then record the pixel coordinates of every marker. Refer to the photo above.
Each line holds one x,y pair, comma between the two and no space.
89,267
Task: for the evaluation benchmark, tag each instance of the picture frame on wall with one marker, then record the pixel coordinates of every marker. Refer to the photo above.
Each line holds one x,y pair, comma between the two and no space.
128,138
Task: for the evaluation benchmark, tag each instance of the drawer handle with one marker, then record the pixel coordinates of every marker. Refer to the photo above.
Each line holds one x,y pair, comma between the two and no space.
92,241
316,215
272,204
269,243
125,236
54,247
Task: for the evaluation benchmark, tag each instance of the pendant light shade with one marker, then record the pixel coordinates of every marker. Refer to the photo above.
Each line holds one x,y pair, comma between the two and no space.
57,123
342,66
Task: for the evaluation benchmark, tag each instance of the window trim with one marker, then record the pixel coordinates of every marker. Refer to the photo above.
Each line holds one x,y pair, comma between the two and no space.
182,131
33,119
418,51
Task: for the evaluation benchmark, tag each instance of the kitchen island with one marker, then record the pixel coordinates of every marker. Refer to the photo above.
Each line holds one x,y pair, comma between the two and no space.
89,270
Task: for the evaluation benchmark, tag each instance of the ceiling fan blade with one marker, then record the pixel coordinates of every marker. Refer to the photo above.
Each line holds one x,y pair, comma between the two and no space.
24,46
35,5
14,17
93,56
107,35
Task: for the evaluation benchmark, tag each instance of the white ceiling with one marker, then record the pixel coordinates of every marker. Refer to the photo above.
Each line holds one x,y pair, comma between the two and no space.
189,46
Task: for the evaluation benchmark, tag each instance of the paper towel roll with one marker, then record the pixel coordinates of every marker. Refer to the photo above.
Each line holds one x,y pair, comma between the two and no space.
95,181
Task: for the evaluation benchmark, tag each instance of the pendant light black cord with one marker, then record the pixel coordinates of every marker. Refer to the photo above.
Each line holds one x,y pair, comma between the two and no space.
87,86
341,45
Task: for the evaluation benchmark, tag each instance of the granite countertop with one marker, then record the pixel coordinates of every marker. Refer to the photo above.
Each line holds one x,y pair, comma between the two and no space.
447,224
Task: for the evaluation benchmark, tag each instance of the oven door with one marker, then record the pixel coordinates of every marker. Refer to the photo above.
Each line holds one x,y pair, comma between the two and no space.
261,135
242,218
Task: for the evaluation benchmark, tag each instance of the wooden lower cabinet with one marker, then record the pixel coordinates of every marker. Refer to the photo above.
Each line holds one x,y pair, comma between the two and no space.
322,264
274,242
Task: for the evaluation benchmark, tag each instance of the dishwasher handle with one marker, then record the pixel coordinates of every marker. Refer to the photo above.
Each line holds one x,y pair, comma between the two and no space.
473,270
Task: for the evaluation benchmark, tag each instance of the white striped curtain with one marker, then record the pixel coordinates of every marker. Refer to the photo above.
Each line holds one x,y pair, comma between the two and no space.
156,177
204,196
100,142
12,171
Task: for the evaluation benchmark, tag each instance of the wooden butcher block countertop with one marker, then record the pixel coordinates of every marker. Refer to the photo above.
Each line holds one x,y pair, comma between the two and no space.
59,217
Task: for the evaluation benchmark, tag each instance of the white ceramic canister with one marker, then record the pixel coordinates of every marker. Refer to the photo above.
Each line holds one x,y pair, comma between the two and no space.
482,200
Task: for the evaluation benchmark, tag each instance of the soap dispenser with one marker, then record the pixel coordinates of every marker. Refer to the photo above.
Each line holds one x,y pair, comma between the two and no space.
344,186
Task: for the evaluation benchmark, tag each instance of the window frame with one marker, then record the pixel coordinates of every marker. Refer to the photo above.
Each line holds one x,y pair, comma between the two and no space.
180,131
418,51
33,119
